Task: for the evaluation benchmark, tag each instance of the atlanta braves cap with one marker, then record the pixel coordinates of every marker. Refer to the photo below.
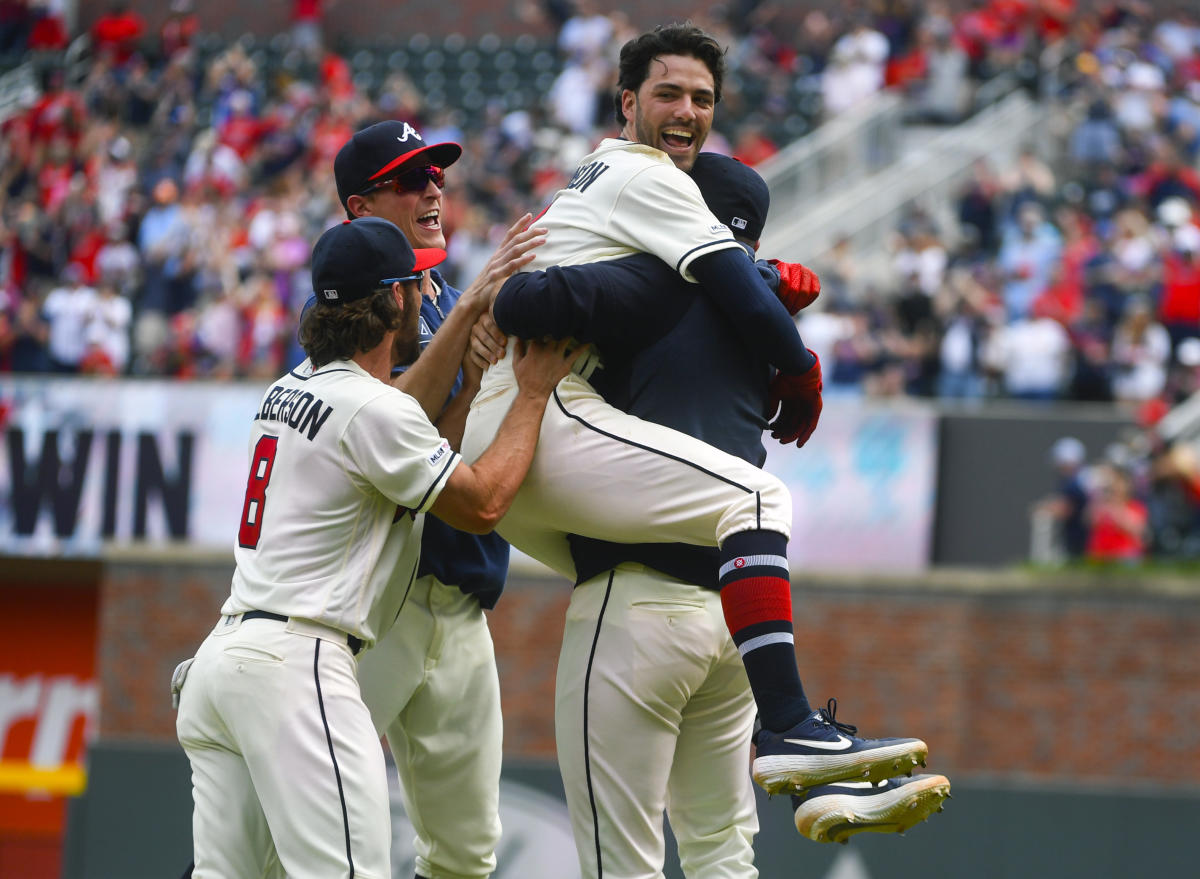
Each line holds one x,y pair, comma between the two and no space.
357,257
380,150
734,192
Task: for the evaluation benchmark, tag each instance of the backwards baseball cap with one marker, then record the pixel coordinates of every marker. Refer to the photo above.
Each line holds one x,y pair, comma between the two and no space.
379,151
354,259
734,192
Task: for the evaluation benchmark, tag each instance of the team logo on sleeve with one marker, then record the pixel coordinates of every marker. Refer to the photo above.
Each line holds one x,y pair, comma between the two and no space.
440,453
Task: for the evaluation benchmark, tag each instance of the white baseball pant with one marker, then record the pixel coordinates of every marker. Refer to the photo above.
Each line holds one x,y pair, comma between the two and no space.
287,771
431,685
653,711
600,472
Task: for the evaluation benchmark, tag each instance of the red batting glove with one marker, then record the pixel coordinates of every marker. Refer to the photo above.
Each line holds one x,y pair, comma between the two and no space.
798,400
798,287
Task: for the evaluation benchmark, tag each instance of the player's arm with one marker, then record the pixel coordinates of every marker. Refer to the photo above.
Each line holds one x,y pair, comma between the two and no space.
432,376
661,211
623,304
754,312
476,497
452,423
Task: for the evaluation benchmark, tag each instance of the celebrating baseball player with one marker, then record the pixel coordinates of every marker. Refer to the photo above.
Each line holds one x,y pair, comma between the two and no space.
433,677
652,703
287,772
604,474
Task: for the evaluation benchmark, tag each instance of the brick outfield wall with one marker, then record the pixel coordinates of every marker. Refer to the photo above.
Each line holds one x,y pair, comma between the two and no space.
1053,681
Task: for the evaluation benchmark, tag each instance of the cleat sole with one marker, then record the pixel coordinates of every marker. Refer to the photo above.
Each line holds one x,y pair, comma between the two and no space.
835,818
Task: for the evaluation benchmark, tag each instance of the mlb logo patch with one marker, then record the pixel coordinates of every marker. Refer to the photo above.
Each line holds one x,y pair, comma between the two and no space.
440,453
737,223
330,294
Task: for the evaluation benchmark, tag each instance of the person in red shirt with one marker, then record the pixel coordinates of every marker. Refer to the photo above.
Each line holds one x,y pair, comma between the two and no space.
1118,520
117,31
179,30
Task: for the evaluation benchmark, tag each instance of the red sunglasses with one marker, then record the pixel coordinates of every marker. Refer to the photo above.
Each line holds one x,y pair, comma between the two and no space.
412,181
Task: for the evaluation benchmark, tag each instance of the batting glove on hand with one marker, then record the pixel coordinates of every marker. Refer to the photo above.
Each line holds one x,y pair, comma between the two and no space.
798,288
798,401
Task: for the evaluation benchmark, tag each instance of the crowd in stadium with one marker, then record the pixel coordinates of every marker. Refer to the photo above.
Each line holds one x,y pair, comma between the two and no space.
158,200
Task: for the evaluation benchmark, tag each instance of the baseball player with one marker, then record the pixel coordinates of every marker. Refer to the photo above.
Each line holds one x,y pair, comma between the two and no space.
287,773
431,682
602,473
652,703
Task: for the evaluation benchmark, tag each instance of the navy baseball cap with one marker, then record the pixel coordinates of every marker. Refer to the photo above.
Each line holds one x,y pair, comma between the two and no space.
734,192
379,151
354,259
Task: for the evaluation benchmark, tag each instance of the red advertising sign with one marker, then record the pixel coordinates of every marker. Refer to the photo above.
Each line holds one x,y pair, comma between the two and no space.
49,701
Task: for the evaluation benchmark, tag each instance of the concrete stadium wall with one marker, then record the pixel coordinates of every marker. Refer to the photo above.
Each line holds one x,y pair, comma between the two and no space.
1044,677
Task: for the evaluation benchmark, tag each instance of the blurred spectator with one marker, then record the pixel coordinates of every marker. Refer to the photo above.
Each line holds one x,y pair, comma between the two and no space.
306,25
943,90
67,310
1141,349
179,30
1032,355
1091,339
49,31
1117,520
1029,251
106,332
1095,142
977,216
16,22
23,336
163,242
578,98
960,352
115,33
1066,506
856,68
118,262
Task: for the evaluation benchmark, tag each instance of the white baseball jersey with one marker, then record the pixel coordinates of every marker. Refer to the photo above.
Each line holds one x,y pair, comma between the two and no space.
624,198
342,465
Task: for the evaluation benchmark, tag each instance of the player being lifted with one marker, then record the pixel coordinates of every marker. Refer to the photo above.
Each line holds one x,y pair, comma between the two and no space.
652,707
604,474
287,774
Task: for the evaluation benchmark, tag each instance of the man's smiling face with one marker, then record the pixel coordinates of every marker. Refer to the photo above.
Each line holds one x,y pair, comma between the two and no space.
418,214
672,110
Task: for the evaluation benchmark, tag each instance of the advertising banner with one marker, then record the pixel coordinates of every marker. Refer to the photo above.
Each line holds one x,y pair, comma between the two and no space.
49,700
93,462
863,489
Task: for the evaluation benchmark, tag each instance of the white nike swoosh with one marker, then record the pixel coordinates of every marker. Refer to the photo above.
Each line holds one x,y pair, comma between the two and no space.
841,744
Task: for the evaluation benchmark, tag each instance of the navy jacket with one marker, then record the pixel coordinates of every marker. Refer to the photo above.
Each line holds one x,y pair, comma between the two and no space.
668,357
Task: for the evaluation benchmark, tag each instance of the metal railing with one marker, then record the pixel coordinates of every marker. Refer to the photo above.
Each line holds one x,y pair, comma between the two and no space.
868,210
848,147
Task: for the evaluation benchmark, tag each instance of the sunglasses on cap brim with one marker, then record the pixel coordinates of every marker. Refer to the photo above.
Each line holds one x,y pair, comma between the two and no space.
414,180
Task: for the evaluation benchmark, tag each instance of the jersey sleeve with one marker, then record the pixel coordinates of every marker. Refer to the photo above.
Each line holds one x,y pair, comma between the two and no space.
393,446
660,211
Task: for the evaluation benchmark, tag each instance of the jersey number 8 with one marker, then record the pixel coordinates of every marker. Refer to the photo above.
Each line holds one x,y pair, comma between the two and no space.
261,464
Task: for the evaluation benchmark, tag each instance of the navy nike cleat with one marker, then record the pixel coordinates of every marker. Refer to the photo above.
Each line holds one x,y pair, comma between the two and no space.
835,812
821,750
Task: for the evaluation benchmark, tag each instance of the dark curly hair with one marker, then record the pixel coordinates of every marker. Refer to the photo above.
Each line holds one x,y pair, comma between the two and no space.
667,39
338,332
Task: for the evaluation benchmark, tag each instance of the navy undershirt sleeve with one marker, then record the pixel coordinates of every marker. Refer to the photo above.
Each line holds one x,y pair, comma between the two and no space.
620,305
754,313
